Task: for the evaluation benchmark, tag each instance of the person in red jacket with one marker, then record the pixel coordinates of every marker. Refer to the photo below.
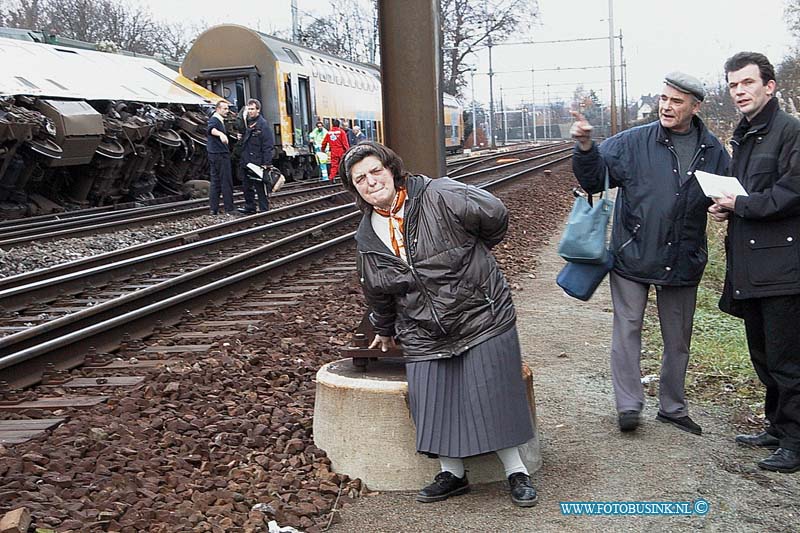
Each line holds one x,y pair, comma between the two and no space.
337,140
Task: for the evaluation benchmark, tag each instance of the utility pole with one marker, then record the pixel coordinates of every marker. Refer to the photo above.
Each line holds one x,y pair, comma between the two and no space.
295,23
622,90
505,122
524,138
533,104
611,64
474,124
491,95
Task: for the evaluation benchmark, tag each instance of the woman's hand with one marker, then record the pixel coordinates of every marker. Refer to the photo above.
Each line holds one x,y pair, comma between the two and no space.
385,343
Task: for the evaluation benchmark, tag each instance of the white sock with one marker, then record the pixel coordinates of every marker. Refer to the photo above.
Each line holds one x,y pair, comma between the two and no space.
512,461
454,465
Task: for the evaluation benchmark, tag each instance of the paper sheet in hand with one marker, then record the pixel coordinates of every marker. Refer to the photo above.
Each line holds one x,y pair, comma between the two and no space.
716,186
257,170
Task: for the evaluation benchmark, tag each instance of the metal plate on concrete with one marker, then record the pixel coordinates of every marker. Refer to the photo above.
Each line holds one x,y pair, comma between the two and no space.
59,402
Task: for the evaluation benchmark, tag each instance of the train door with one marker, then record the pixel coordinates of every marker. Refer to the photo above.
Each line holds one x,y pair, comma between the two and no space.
235,85
305,107
289,99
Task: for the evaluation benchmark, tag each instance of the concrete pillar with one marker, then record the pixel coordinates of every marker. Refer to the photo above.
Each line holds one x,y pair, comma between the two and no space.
363,422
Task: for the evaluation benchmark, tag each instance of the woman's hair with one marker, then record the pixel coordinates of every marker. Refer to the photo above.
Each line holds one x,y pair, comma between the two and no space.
359,152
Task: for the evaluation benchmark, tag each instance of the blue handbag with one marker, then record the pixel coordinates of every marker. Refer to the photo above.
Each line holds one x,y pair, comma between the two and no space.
580,280
584,237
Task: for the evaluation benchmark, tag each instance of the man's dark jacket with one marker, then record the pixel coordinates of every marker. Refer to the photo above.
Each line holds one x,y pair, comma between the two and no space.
213,143
258,143
451,295
764,231
659,231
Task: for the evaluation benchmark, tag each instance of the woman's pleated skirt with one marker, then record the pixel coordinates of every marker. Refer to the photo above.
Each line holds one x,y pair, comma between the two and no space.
471,404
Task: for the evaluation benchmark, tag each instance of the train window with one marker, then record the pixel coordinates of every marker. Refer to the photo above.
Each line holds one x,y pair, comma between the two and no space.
27,83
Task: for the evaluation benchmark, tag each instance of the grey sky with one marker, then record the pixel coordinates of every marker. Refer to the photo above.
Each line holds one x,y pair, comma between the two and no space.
695,36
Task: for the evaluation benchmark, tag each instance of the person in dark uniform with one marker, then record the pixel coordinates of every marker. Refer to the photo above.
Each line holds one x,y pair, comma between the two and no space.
431,282
258,143
763,245
219,160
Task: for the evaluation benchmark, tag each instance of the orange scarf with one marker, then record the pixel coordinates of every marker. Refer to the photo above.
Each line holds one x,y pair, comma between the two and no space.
397,205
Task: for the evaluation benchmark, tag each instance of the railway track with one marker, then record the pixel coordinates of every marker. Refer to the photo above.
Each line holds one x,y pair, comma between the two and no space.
42,229
58,320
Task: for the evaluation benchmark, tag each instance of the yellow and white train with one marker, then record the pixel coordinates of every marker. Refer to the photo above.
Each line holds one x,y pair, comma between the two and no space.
297,86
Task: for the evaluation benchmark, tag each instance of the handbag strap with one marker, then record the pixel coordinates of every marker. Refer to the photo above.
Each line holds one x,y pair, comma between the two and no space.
589,197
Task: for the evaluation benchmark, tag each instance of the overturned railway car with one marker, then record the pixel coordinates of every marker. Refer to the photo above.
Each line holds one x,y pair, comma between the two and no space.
83,128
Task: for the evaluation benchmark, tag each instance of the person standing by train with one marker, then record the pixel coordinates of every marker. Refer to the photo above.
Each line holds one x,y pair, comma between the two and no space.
258,143
219,161
316,137
431,282
658,238
763,260
358,135
336,139
351,136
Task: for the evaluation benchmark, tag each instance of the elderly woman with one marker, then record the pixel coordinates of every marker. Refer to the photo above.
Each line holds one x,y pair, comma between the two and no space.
432,283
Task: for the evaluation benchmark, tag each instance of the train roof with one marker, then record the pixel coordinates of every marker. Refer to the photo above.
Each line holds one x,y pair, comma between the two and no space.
283,50
40,37
53,71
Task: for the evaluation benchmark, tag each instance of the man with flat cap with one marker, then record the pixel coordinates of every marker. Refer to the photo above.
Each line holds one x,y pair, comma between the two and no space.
658,238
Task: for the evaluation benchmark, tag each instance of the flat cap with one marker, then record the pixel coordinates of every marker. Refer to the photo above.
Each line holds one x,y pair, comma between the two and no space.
686,84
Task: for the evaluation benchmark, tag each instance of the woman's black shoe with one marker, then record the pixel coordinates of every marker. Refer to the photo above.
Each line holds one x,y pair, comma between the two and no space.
444,485
522,492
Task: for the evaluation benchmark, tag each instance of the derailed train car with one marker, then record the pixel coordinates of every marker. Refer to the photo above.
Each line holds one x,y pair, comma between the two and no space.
296,86
85,128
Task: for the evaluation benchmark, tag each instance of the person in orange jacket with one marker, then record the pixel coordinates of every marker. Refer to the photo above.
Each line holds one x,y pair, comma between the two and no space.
337,140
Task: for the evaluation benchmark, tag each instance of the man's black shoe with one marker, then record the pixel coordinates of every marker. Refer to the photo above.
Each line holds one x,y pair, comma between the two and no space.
782,460
522,492
245,211
444,485
682,422
628,420
762,440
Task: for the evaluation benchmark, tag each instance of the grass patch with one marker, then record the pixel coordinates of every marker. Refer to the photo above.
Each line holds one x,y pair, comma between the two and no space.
720,370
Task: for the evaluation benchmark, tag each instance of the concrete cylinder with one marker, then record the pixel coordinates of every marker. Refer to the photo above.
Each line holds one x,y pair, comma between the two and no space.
362,421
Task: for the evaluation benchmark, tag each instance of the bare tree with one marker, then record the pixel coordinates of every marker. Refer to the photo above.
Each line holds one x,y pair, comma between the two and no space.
24,14
471,24
348,33
129,26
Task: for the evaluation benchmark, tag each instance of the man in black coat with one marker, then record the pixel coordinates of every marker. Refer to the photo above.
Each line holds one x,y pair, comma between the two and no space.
763,274
658,238
258,143
219,160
